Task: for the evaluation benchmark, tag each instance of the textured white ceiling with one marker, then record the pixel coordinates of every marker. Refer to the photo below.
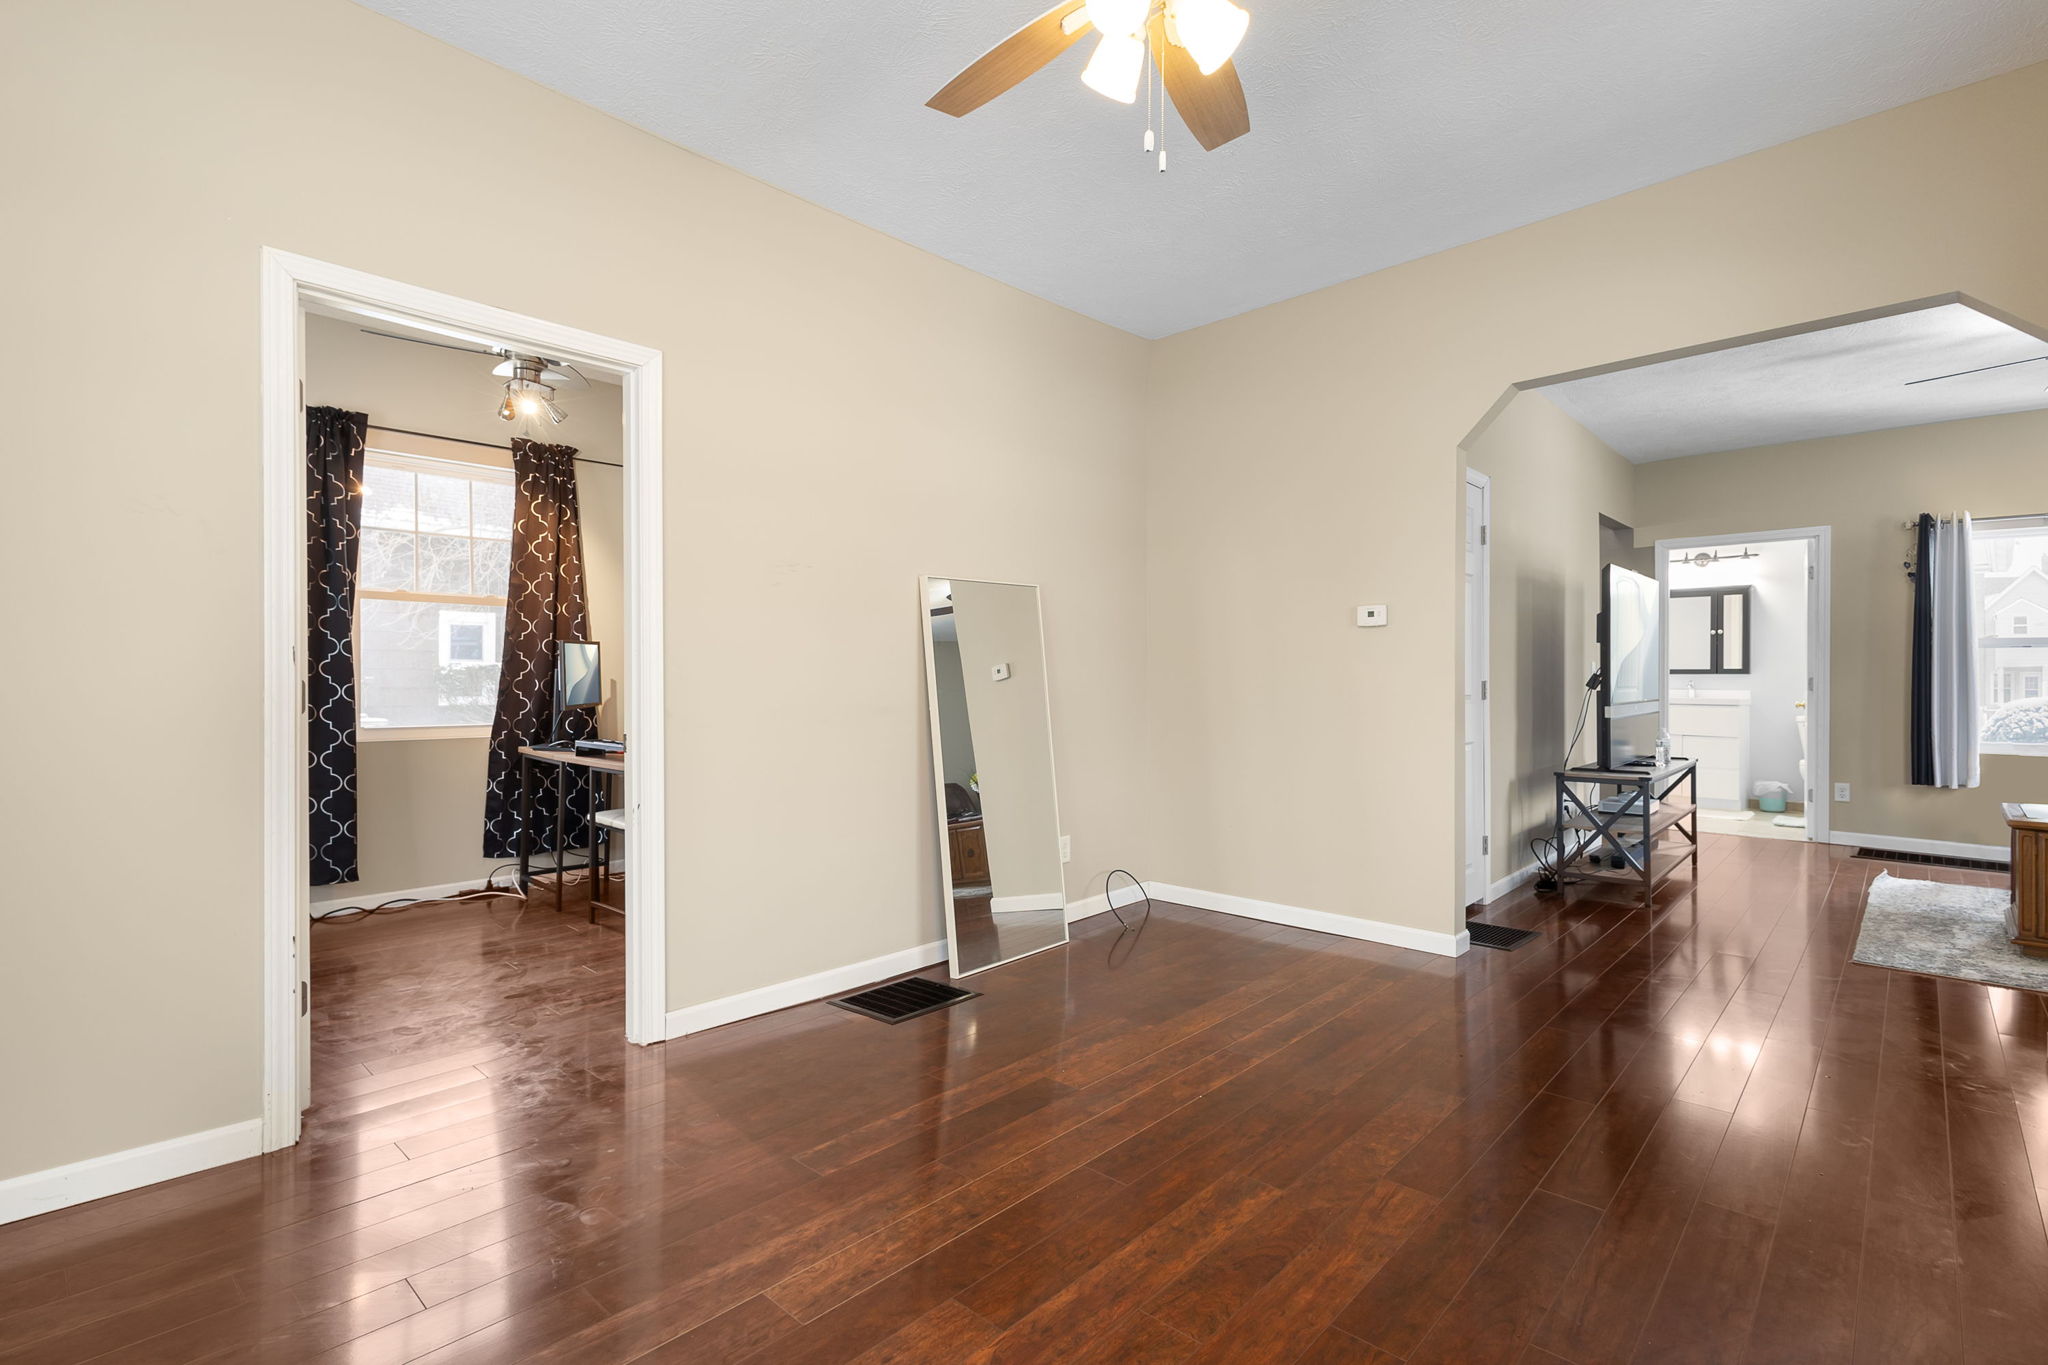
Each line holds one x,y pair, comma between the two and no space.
1380,132
1833,381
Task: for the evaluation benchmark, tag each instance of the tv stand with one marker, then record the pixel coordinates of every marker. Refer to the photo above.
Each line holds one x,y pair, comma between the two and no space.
1653,827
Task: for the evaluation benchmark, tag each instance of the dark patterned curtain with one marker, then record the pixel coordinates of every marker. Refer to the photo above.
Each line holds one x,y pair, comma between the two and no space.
543,604
334,505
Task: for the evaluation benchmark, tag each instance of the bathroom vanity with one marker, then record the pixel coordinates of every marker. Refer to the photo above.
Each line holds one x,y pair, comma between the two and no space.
1712,728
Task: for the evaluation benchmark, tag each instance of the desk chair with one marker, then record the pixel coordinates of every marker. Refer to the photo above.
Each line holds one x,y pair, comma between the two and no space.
604,822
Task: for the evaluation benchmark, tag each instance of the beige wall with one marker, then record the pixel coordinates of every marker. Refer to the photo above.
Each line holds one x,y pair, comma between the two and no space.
1304,459
843,412
835,400
421,801
1552,482
1865,487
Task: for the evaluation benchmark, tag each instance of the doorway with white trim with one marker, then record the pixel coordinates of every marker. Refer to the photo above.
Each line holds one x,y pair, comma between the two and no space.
1745,650
335,339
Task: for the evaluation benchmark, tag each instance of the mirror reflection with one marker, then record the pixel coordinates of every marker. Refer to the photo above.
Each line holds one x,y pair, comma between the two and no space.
992,761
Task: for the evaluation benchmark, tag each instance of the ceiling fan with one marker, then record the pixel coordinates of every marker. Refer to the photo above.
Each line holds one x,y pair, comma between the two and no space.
530,380
1189,42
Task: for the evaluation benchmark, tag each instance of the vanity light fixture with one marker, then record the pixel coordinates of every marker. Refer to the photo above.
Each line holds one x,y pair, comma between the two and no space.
1702,558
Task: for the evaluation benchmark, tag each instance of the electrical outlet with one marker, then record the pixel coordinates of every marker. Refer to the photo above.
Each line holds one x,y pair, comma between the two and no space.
1066,848
1841,791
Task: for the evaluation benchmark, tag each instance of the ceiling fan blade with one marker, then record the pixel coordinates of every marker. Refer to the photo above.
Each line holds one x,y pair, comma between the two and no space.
1212,106
1009,61
423,341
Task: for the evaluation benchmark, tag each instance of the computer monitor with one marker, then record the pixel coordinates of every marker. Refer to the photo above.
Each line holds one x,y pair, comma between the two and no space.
579,683
1631,680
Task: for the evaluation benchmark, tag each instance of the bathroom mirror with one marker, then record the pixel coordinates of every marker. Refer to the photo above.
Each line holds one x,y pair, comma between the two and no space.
1709,630
999,827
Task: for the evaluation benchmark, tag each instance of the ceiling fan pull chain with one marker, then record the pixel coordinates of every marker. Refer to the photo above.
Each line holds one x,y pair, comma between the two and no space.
1148,101
1163,120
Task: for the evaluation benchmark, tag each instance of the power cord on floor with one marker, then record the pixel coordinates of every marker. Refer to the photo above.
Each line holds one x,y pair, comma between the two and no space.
356,914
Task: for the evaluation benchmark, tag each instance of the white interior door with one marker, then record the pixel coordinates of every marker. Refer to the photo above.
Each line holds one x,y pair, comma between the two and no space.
1478,790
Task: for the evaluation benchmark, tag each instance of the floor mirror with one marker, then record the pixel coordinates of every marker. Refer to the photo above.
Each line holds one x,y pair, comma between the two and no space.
991,727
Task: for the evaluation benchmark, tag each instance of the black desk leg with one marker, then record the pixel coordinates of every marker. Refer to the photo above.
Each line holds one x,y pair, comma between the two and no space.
525,823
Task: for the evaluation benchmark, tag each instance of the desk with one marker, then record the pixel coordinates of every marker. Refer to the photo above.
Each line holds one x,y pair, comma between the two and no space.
600,767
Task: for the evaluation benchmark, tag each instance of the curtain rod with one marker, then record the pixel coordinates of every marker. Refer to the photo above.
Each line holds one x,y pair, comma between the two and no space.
2016,516
487,445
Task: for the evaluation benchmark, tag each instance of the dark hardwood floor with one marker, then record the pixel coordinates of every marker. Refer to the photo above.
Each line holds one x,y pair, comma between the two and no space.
1694,1133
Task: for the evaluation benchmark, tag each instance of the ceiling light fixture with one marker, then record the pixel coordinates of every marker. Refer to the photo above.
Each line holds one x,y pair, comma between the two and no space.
1209,29
1189,42
528,394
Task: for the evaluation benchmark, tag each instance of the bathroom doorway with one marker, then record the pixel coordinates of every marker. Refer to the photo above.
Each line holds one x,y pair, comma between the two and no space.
1745,658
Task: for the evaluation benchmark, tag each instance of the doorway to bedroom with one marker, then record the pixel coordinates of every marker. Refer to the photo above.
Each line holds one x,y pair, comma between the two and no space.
464,736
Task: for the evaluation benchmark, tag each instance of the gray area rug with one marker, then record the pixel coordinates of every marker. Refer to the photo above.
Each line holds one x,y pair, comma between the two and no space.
1944,929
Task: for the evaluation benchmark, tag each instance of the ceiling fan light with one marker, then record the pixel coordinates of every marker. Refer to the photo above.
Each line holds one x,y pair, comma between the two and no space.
1210,30
1076,20
1116,67
1123,18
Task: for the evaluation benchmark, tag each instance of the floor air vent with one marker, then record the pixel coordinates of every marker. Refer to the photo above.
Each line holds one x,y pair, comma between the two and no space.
906,999
1933,860
1498,935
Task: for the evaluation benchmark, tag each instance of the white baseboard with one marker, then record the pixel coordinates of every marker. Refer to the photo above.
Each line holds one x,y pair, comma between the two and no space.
1510,882
1321,921
801,991
335,905
1009,905
25,1196
1898,843
1090,906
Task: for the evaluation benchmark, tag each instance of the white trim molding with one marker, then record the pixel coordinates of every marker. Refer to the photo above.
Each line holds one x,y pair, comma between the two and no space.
25,1196
1510,883
1321,921
1945,848
384,734
1820,716
1090,906
803,990
288,284
2015,750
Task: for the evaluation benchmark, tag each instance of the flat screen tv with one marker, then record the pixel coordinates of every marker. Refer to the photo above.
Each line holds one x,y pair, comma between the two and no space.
1631,678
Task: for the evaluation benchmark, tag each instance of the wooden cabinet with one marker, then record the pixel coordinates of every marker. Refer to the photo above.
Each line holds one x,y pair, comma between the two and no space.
2029,924
969,852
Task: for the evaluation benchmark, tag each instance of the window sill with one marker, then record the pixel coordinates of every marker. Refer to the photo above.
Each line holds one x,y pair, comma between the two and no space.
382,734
2015,750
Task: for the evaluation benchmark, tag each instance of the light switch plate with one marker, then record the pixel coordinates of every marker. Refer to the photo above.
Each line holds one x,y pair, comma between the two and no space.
1066,848
1372,616
1001,672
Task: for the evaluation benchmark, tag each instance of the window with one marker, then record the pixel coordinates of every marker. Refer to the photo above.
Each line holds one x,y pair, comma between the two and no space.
2012,657
1709,630
430,608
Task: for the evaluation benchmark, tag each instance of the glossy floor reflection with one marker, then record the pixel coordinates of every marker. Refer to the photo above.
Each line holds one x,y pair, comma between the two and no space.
987,937
1691,1133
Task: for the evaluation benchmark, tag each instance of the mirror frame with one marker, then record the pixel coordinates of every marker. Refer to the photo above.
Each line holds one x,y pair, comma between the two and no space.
935,744
1717,597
